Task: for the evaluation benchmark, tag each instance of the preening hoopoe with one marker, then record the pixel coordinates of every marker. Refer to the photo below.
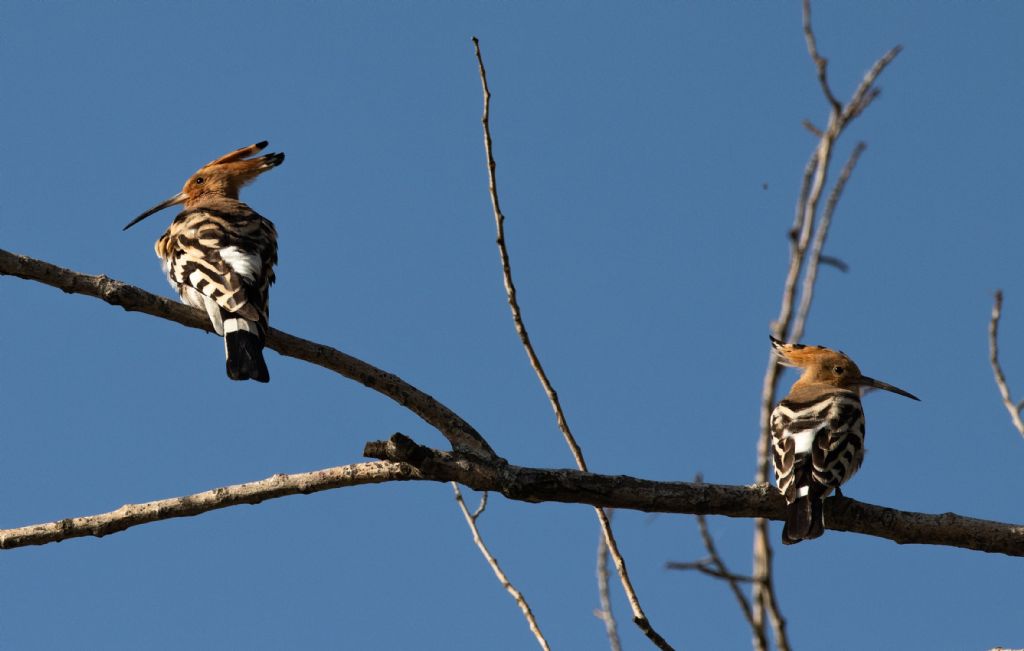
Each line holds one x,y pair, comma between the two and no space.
818,433
219,255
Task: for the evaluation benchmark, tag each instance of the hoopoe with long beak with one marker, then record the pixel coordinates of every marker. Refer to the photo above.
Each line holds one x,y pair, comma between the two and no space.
219,255
818,433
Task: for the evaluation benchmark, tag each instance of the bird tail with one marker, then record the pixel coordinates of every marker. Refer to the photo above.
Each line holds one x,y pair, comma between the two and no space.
243,346
804,517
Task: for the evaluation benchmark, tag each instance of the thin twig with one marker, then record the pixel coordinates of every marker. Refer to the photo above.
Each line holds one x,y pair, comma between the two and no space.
734,580
997,369
605,613
831,261
807,292
714,566
493,562
820,62
706,566
639,618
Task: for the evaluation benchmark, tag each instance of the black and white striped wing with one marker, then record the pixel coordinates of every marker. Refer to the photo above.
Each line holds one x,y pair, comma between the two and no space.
794,428
824,435
838,452
218,261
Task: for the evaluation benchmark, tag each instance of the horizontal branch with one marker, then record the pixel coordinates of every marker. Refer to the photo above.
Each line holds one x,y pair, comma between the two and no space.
404,460
763,501
459,433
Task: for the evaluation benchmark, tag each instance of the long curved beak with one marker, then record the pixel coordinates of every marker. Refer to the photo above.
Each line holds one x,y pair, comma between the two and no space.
178,198
878,384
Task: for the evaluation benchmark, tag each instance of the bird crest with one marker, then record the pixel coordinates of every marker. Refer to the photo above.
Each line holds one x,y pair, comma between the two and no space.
222,177
825,367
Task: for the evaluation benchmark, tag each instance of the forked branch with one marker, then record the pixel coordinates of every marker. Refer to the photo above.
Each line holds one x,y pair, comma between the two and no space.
514,592
639,617
807,227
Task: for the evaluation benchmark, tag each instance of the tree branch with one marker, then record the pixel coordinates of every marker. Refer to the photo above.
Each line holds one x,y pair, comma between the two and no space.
997,369
639,617
405,460
460,434
132,515
604,597
821,233
785,327
520,600
715,566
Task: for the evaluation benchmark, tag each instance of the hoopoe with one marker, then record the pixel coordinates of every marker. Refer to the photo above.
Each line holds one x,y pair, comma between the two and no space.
818,433
219,255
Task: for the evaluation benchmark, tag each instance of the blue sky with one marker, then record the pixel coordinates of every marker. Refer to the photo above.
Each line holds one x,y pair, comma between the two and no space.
649,158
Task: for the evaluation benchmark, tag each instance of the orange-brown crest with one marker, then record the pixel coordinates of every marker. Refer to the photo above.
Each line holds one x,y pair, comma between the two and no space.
222,177
824,366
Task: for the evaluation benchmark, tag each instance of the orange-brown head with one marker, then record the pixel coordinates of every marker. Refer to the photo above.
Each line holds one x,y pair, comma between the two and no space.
824,367
221,178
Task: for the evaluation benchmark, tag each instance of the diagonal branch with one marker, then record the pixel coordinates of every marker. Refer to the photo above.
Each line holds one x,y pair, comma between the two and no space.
714,566
459,433
997,369
639,618
520,600
404,460
807,291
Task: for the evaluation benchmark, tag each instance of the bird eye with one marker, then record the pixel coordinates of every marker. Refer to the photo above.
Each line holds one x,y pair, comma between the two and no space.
198,180
838,370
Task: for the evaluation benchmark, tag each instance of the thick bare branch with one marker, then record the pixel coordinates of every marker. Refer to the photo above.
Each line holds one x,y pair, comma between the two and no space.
639,617
496,568
997,369
404,460
460,433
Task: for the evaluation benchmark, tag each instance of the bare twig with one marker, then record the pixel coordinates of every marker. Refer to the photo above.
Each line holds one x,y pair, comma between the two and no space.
785,328
820,62
493,562
832,261
807,292
639,618
997,369
404,460
715,566
706,566
605,613
460,433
